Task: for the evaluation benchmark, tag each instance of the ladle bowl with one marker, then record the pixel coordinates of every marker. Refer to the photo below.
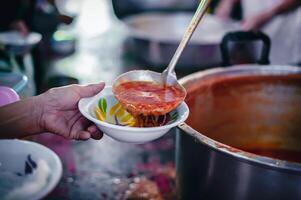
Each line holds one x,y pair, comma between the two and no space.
147,76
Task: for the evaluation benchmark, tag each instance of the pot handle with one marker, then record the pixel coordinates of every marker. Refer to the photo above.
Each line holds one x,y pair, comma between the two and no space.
242,36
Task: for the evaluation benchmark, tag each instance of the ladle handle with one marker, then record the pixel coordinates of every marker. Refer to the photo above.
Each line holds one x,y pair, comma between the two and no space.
200,12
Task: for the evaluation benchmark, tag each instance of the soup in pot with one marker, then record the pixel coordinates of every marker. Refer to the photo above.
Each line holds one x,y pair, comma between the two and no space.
256,113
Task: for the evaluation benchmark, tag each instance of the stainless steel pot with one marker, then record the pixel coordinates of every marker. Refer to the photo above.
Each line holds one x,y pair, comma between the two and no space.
154,37
236,111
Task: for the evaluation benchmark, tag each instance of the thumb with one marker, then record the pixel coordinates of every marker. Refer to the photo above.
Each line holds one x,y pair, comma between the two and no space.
90,90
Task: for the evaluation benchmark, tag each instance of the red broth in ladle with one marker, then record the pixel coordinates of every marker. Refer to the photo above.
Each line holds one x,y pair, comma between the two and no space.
145,98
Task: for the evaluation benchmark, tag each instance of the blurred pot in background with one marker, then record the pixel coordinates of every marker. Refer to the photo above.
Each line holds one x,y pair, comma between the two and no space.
154,37
124,8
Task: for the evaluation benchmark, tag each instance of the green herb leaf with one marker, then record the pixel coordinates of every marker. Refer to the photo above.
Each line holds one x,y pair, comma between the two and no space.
174,116
102,104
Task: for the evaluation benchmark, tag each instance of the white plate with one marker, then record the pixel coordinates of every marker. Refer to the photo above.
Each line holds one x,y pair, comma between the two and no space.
14,38
126,133
14,154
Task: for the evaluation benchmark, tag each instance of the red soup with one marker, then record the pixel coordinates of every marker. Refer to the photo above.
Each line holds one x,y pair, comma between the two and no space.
148,98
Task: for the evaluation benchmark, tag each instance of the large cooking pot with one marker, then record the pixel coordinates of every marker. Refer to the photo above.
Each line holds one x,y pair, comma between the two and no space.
154,37
242,139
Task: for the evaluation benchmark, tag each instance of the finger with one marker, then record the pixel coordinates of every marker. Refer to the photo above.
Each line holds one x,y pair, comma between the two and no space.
90,90
23,29
245,26
79,124
84,135
96,134
92,128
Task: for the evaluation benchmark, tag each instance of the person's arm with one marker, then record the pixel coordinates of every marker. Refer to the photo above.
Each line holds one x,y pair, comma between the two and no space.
54,111
21,27
224,8
256,22
20,119
285,6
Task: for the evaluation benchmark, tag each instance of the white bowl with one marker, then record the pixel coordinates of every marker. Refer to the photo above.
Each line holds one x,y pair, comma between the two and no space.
16,39
13,41
126,133
14,154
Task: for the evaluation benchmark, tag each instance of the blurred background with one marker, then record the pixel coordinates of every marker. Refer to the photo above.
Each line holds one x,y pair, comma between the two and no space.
68,41
82,41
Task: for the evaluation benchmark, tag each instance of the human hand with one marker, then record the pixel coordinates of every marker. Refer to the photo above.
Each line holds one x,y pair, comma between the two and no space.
21,27
256,22
60,114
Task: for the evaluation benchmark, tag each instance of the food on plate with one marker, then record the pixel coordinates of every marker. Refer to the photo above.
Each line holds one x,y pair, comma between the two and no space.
116,114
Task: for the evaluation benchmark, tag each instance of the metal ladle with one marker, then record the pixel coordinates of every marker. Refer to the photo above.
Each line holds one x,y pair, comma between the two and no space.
168,76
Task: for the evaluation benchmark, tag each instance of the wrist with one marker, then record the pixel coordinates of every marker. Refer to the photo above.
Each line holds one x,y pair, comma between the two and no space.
38,112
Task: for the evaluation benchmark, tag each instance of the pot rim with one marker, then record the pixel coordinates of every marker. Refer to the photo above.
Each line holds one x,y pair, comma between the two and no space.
250,69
